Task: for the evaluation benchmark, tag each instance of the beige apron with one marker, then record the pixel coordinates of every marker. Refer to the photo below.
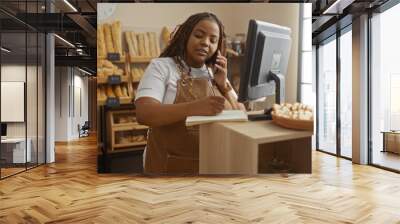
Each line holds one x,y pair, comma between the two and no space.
174,148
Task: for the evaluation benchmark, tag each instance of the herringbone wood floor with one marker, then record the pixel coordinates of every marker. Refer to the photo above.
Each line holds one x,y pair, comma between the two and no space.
71,191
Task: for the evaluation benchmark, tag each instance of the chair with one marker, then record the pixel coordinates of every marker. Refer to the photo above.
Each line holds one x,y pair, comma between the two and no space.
84,130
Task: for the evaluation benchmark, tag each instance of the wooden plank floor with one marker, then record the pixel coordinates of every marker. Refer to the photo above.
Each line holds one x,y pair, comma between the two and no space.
71,191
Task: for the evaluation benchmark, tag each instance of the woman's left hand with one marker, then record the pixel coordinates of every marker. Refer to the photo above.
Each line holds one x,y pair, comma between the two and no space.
220,75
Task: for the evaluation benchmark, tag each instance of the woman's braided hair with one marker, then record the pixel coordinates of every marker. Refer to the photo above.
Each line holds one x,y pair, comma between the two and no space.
177,45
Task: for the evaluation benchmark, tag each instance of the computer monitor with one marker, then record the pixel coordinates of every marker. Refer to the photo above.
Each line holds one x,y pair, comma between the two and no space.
3,130
266,59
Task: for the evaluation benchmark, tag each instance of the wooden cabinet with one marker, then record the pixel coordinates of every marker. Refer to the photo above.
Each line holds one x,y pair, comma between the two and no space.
124,132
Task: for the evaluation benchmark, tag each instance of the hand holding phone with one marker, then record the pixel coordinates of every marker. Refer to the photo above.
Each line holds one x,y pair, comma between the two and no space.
220,70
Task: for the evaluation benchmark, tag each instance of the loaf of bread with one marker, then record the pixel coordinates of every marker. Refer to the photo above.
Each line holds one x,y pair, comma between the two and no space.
107,64
110,92
101,94
108,71
101,45
116,35
118,91
108,38
152,47
124,91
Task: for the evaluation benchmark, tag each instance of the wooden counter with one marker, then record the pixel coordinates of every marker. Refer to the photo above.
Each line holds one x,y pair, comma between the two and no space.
253,147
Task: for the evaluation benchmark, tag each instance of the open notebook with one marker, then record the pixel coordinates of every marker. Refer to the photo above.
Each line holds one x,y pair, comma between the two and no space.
225,115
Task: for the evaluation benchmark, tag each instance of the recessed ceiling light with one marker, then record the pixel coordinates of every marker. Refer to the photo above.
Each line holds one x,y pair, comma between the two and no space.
5,50
64,40
86,72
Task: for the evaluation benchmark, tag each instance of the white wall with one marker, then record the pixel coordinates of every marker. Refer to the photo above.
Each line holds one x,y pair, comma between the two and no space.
234,16
68,80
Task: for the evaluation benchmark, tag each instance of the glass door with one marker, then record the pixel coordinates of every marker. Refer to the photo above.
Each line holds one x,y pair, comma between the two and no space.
326,113
346,93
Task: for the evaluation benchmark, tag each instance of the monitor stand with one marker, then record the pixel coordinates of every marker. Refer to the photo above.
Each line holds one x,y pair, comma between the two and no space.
261,117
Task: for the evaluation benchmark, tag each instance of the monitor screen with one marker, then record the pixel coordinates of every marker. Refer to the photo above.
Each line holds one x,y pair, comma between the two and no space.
268,50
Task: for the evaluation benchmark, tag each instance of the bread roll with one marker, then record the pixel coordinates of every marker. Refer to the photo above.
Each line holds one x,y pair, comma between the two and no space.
108,38
108,71
107,64
116,35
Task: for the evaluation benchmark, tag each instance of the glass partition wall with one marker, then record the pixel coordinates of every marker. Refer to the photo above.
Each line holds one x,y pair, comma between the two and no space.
385,90
22,76
334,94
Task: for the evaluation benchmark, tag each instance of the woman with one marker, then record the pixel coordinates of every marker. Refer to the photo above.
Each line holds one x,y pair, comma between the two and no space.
179,84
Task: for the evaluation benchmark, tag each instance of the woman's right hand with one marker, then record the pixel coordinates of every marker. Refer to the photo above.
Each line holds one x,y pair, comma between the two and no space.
208,106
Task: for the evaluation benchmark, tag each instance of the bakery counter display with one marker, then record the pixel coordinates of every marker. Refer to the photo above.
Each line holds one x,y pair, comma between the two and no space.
125,133
109,42
113,84
294,116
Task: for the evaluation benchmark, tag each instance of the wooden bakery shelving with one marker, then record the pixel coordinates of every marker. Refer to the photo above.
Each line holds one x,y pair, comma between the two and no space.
124,131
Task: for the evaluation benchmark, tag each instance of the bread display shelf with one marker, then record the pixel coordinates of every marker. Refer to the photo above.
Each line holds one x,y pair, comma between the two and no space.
122,149
293,123
124,131
143,143
129,127
140,59
106,80
113,101
122,59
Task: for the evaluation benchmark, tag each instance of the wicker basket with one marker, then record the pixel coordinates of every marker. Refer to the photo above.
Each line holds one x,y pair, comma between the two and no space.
292,123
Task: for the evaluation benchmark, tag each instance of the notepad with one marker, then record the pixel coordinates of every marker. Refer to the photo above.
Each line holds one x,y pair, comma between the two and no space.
225,115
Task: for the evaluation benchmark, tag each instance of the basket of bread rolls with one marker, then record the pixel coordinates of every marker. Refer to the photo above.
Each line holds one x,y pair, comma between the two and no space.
294,116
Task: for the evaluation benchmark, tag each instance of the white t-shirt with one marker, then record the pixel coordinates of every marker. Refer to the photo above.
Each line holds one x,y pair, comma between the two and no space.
160,79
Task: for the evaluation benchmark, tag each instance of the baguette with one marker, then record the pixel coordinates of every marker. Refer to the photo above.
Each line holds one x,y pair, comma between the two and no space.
129,43
141,44
151,51
108,38
157,45
101,45
154,41
165,36
146,44
135,43
116,35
